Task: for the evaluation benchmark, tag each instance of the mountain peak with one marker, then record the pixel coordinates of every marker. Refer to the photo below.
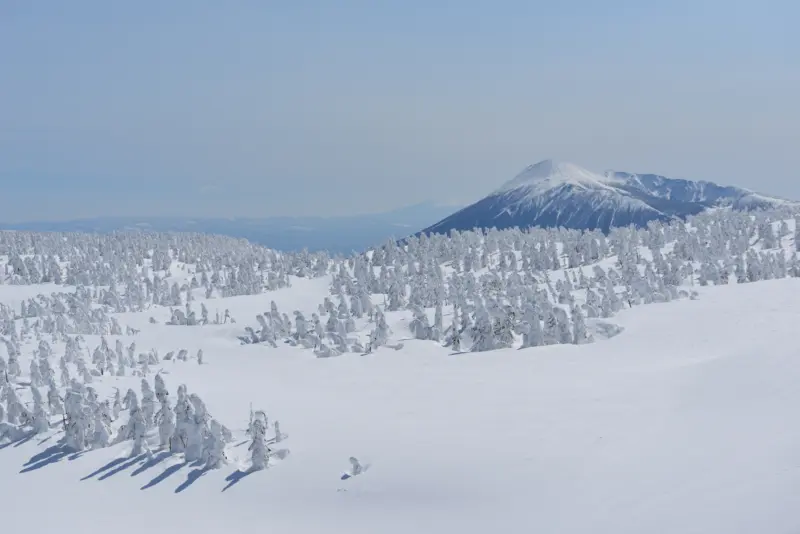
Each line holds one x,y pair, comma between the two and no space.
550,173
550,167
555,193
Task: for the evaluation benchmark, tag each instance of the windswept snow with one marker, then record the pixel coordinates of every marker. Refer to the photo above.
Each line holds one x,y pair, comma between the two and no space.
550,174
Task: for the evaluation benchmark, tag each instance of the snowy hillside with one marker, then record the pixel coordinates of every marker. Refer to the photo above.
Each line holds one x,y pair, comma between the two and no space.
559,194
518,381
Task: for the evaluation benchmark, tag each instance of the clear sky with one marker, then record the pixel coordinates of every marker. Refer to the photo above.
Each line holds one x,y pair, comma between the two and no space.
277,107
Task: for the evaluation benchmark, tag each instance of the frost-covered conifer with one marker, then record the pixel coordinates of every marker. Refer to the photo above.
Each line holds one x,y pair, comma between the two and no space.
455,334
196,429
131,401
300,325
160,389
482,332
40,419
136,430
101,435
165,419
419,325
36,375
214,446
13,370
54,400
580,335
550,333
148,403
117,406
532,335
259,451
184,418
78,423
564,330
504,328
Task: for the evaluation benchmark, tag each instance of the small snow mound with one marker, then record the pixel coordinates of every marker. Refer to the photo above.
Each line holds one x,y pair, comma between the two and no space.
604,330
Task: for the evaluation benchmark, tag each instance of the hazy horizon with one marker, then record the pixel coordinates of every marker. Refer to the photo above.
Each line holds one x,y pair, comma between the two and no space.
314,108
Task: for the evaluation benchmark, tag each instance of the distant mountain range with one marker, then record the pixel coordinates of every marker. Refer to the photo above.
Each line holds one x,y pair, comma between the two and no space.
335,234
559,194
548,194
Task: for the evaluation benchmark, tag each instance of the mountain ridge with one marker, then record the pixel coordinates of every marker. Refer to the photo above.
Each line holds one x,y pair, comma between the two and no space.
553,193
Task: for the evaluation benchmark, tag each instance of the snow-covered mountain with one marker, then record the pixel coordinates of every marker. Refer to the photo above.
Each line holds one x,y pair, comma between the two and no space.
559,194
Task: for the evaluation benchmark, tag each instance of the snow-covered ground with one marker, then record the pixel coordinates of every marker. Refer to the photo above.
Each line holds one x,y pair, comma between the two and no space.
684,423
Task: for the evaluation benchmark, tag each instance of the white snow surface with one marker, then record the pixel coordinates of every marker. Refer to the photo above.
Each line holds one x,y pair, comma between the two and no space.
686,423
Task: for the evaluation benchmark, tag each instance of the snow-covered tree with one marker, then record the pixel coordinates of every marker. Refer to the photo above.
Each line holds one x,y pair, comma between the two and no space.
259,451
165,419
214,446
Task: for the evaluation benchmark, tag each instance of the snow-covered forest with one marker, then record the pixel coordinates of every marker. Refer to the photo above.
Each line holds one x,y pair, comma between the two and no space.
155,352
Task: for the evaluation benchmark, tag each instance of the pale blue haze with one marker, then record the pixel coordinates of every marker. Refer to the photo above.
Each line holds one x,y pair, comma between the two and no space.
277,107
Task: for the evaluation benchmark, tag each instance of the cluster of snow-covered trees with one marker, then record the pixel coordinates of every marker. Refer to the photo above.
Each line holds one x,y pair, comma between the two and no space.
132,271
469,291
64,398
97,276
476,290
484,290
60,314
188,316
119,361
330,338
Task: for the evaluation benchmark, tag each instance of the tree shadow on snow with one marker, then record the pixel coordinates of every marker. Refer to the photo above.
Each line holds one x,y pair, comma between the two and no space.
76,455
48,438
235,477
122,466
192,478
106,467
50,455
168,472
24,440
21,440
151,462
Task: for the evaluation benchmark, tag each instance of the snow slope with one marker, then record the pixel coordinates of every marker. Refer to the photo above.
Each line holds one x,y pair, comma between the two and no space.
682,424
560,194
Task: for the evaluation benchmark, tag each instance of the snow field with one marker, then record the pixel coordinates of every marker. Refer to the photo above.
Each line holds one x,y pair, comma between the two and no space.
682,423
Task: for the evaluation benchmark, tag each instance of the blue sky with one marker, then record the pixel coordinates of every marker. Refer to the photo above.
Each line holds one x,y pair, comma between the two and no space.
277,107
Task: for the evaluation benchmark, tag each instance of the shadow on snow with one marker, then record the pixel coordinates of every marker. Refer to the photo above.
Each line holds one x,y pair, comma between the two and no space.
191,478
50,455
168,472
235,477
56,453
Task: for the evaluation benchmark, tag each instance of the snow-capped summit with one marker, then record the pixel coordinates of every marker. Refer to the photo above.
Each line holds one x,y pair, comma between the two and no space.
549,174
554,193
